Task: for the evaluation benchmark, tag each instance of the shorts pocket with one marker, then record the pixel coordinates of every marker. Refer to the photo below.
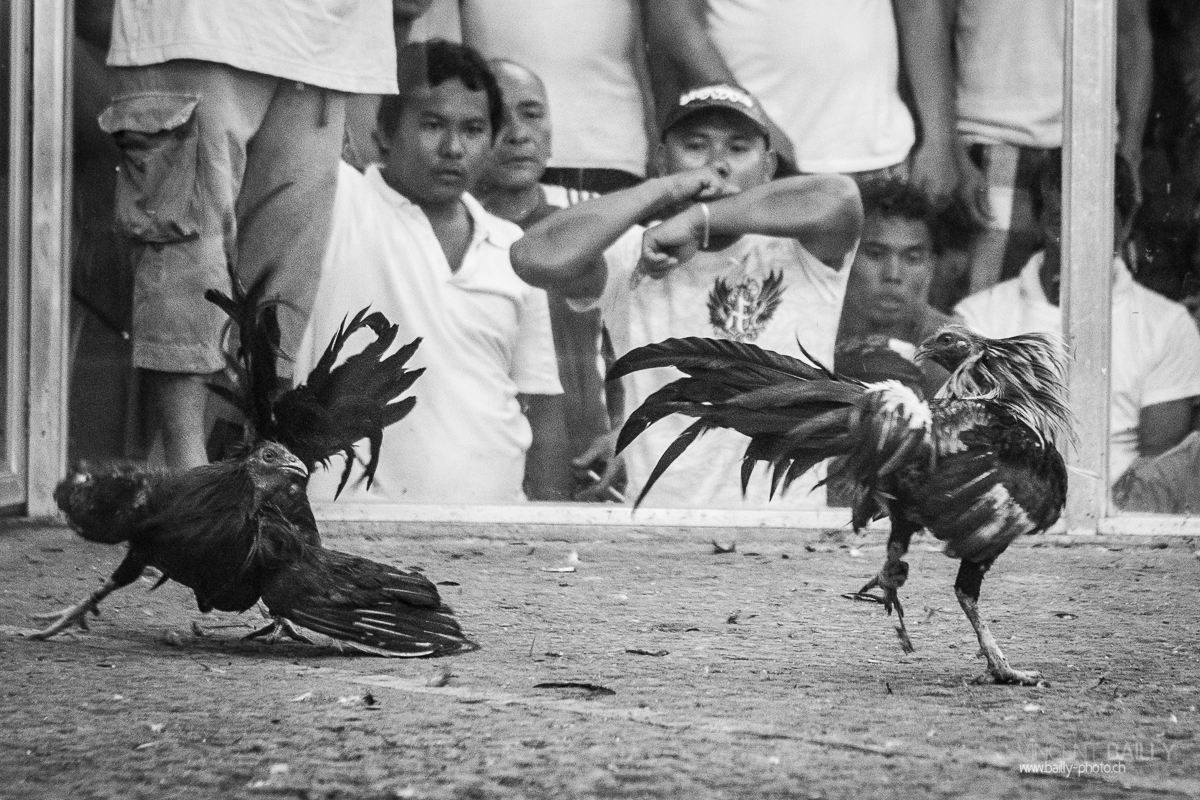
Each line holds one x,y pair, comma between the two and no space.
156,199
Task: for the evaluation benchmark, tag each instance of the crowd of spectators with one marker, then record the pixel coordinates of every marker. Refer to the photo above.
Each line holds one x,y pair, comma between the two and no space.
535,187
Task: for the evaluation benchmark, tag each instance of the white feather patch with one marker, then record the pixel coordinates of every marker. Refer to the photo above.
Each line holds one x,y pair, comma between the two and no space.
901,401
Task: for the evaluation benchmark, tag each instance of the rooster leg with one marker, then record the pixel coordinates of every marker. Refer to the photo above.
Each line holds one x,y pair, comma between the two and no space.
966,588
278,629
126,573
893,575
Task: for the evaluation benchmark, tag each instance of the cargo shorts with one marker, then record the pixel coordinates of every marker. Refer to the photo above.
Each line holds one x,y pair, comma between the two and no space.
224,172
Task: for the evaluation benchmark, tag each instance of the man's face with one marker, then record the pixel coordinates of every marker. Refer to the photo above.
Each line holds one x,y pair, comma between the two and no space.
892,269
723,140
522,147
440,144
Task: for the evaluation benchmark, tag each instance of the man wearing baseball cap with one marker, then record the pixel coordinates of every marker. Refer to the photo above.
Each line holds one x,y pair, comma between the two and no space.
736,256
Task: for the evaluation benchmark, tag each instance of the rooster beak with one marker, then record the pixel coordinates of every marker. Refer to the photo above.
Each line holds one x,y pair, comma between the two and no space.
297,466
922,354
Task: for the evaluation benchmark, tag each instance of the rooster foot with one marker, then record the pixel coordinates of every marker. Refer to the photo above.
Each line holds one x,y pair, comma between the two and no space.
278,629
75,615
893,575
1013,677
890,579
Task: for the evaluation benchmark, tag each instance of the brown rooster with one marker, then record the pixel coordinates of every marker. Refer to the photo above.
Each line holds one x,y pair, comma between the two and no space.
977,466
242,530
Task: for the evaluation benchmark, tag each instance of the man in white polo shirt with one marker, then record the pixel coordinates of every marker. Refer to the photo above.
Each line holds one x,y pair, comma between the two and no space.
1155,357
408,240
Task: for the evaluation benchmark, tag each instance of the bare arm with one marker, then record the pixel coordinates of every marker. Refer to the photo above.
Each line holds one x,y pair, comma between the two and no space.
677,33
925,36
1163,425
548,461
822,212
565,251
1135,81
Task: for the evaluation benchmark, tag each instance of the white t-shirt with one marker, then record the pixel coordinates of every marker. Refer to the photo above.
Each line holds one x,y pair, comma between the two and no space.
588,54
729,287
826,72
1010,71
346,45
1155,345
486,338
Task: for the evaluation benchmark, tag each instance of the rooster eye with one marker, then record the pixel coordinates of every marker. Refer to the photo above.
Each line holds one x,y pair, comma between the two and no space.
945,338
268,455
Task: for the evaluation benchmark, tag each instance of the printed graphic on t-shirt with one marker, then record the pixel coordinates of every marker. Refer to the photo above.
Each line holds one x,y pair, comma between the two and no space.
740,311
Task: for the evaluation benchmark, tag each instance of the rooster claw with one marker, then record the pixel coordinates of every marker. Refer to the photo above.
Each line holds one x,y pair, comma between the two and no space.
864,596
890,600
278,629
75,615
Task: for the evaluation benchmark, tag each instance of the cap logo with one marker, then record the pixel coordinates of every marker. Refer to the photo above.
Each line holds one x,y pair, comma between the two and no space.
725,93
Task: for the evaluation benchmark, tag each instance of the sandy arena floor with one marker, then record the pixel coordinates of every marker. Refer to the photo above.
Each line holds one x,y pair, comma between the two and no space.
737,675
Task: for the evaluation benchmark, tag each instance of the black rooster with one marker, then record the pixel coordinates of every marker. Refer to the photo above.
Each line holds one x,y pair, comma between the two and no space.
242,530
977,466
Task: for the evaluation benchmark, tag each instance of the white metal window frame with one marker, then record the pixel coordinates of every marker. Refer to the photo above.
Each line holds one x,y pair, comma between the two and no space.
49,269
1089,139
13,480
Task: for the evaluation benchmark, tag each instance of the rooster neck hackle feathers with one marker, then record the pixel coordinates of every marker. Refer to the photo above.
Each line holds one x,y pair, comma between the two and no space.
1027,374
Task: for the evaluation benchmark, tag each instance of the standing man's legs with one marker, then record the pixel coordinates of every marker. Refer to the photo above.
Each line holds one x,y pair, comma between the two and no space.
182,128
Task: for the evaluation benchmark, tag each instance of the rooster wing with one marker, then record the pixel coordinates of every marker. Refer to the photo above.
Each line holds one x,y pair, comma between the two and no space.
373,606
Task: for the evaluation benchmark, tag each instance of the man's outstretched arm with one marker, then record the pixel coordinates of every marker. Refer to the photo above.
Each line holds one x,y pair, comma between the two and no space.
822,212
565,251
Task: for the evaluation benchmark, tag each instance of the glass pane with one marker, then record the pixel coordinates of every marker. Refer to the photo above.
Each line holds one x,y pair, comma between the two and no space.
1162,253
102,418
1155,452
5,177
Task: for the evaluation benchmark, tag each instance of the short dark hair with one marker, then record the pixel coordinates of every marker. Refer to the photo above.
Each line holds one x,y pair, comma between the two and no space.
949,223
430,64
896,197
1048,179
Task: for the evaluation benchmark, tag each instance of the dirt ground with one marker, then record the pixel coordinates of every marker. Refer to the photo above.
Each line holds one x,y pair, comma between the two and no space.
735,675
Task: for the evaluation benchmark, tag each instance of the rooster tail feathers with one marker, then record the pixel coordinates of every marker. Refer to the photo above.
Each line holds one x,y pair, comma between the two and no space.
673,451
347,469
828,372
796,414
341,405
660,404
742,363
255,358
